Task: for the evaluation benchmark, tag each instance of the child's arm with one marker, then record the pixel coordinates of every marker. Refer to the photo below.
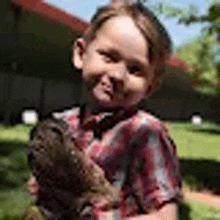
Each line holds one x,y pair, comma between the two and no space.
33,187
167,212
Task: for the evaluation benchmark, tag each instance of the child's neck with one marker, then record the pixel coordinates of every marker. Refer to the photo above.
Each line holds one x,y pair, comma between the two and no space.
90,109
108,117
96,109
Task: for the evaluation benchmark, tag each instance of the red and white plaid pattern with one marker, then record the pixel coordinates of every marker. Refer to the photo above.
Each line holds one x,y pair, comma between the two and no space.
154,176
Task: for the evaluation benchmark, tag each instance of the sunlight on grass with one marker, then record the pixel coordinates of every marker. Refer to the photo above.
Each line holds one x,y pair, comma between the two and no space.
200,211
14,202
18,132
196,141
14,171
193,142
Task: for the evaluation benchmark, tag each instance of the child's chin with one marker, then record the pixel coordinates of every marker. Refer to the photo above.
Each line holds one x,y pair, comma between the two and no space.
105,104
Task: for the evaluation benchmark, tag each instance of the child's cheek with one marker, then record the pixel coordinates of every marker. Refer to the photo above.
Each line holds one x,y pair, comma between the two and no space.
92,78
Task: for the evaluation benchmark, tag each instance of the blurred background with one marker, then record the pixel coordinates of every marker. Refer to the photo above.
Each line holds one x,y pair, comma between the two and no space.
37,77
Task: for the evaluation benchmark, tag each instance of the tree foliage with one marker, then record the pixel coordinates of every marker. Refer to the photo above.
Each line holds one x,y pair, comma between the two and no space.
198,54
190,14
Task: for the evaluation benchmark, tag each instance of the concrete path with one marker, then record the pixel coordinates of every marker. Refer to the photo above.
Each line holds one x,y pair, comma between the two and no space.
203,197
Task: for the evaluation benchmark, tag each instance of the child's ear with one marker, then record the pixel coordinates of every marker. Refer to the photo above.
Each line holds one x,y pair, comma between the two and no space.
78,52
156,82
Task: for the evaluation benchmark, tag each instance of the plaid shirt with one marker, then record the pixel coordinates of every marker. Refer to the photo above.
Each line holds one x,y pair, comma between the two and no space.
137,156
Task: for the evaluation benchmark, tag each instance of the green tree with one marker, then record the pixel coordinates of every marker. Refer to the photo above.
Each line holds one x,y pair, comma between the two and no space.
200,54
189,14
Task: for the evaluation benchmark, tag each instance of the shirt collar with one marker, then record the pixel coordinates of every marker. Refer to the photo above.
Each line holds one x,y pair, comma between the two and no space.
87,113
101,121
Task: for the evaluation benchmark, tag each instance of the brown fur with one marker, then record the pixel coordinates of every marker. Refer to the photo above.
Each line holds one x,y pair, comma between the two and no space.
68,178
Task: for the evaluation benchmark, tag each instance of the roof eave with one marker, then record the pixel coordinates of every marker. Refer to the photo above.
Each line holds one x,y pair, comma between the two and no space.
53,13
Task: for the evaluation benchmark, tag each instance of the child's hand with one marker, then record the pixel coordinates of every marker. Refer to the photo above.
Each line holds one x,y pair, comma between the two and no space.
33,188
110,215
104,212
100,210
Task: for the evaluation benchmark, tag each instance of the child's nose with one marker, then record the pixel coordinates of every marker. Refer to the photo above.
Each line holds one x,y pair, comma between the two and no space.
118,73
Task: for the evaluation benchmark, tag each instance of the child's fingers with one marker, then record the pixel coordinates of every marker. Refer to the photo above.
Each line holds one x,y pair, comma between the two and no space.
94,210
33,187
33,213
106,205
167,130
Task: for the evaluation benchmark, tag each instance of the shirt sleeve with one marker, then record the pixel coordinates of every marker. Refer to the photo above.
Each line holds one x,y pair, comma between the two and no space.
155,174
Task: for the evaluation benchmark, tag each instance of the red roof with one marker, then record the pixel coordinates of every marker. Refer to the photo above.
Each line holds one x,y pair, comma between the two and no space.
178,63
59,15
52,13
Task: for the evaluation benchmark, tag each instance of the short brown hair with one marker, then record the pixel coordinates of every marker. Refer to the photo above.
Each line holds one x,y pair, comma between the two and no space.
155,34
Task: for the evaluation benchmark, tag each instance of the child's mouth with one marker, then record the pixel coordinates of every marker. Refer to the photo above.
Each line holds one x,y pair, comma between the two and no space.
109,93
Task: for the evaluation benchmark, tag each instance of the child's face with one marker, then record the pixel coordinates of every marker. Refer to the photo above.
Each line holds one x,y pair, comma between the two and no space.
115,65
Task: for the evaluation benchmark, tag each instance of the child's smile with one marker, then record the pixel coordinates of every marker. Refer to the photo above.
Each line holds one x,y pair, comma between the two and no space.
115,65
120,58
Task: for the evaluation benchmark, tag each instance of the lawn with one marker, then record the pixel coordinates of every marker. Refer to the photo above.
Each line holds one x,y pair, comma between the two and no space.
197,147
196,141
199,153
13,172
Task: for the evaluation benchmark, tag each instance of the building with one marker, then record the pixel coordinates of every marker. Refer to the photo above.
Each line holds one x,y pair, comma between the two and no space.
177,98
36,71
35,67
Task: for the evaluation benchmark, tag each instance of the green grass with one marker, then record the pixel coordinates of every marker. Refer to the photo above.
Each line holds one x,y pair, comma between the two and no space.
197,147
13,202
198,150
196,141
191,210
14,172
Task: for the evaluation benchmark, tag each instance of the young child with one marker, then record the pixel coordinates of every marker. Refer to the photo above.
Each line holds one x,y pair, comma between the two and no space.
121,57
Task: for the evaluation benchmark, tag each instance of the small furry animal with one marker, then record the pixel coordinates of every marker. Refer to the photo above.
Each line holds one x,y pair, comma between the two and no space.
69,180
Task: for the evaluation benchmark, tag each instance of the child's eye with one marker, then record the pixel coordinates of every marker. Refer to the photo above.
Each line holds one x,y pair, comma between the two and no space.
134,70
108,57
